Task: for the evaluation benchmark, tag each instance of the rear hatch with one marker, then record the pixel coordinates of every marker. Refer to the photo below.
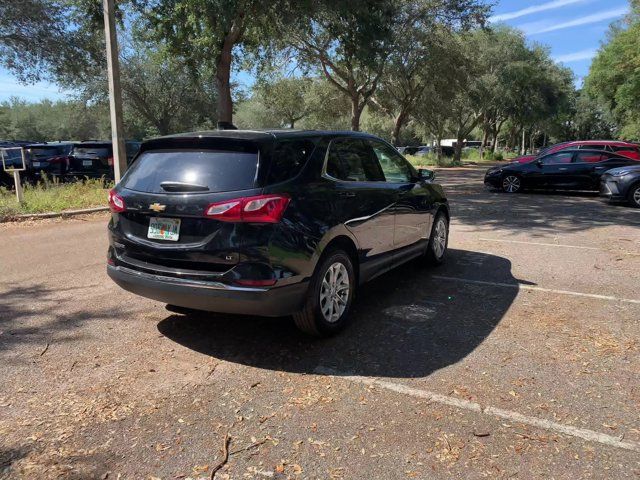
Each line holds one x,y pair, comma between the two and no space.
92,159
47,157
166,194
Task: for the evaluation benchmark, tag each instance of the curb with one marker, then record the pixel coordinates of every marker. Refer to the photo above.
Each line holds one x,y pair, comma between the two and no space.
67,213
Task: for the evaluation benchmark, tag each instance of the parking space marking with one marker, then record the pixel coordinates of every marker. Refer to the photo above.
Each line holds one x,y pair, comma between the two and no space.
583,433
539,243
521,286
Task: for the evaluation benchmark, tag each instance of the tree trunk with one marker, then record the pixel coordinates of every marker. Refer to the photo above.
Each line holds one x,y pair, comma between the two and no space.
356,112
223,83
457,153
397,126
439,147
523,146
223,73
485,136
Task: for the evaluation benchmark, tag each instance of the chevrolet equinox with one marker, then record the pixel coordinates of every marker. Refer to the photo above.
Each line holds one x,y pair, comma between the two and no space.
270,223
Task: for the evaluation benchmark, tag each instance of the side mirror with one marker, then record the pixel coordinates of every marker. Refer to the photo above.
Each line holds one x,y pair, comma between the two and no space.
539,162
425,174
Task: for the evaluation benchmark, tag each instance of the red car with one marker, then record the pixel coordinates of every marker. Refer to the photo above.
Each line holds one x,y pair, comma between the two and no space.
631,150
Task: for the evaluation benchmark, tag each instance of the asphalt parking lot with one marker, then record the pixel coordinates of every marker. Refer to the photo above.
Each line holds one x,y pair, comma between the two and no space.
518,358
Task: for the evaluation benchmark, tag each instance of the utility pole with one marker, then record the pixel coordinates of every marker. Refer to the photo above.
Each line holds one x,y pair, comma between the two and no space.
115,92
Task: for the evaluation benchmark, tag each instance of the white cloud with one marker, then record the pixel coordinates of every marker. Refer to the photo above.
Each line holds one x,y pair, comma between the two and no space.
576,56
544,27
534,9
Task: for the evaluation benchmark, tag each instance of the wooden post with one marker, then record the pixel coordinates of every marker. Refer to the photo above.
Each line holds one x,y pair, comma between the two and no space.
18,183
115,92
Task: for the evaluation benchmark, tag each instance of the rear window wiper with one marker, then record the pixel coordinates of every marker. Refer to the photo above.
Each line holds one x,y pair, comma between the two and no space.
183,187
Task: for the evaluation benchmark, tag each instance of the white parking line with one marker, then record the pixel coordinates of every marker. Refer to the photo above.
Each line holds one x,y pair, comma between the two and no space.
583,433
521,286
538,243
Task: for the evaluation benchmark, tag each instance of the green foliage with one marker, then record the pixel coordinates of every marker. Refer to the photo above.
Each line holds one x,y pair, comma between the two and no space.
50,196
614,77
285,99
49,121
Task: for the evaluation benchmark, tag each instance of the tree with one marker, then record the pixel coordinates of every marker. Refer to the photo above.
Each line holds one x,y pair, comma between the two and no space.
351,41
51,39
207,32
285,99
614,77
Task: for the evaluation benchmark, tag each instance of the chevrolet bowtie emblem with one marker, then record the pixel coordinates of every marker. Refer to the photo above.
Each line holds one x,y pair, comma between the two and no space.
156,207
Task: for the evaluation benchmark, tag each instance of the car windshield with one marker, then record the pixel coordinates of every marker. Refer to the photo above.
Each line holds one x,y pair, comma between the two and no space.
213,170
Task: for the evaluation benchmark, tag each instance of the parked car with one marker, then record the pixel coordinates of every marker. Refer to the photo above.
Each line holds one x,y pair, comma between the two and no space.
417,151
622,185
627,149
91,159
270,223
50,159
576,169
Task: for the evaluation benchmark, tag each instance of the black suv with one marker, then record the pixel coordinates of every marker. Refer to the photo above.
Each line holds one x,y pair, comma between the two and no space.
50,159
270,223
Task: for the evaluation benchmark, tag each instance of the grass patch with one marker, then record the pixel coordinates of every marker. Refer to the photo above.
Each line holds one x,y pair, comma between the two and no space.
431,160
48,196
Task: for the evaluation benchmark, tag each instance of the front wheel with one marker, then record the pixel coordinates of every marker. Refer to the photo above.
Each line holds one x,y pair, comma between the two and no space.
511,184
634,196
330,295
439,240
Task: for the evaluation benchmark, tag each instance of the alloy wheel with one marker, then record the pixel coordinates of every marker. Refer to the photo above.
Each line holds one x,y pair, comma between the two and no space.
511,184
440,238
636,196
334,292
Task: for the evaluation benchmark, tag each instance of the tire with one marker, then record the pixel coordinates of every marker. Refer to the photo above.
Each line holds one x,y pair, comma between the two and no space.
511,183
634,196
324,314
438,241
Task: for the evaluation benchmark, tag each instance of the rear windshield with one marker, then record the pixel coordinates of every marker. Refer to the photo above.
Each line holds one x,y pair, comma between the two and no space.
219,171
43,152
88,151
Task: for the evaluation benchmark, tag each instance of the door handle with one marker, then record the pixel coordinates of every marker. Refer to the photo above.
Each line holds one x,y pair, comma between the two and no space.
562,168
347,194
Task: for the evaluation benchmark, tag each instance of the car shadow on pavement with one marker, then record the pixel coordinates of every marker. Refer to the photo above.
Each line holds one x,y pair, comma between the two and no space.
407,323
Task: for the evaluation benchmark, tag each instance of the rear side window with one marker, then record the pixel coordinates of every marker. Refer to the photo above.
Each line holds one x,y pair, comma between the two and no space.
352,160
287,159
215,170
590,157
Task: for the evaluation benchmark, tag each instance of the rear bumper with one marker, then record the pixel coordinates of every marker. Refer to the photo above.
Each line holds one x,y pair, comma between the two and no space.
212,296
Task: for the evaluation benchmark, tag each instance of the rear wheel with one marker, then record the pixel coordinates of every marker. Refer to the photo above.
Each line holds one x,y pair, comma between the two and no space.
330,295
634,196
439,240
511,184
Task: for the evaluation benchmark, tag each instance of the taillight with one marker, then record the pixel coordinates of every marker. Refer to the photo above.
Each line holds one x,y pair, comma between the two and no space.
116,202
258,209
110,161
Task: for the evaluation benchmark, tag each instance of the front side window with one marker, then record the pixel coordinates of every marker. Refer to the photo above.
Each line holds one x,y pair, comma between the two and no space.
395,168
557,158
352,160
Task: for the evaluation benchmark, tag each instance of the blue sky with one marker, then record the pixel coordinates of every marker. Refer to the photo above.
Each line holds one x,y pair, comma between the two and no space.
573,30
